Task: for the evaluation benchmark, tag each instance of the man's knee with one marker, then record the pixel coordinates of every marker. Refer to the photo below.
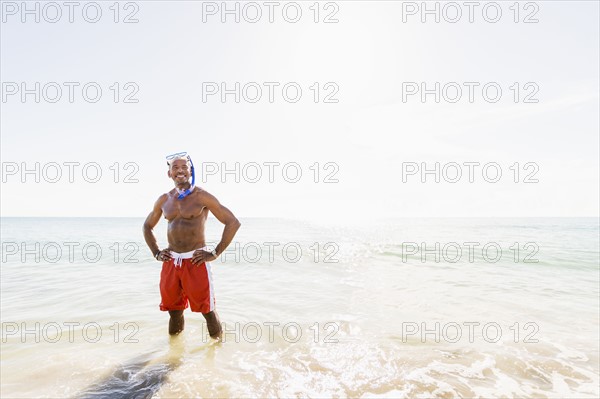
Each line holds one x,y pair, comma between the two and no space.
175,314
176,322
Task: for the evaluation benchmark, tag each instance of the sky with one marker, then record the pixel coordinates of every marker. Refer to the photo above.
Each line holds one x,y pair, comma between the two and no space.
328,111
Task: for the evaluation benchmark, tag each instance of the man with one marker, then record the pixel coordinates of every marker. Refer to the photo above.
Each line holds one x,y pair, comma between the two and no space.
186,274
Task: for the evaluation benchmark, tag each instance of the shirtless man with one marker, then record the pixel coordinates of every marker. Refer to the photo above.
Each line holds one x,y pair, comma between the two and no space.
186,274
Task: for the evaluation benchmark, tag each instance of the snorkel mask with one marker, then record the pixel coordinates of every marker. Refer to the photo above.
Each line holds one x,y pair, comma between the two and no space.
183,156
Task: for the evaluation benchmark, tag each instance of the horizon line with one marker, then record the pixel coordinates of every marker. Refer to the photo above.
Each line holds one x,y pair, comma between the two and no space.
315,218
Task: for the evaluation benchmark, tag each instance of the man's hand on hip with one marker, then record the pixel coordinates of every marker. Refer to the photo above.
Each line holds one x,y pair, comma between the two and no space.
164,255
200,256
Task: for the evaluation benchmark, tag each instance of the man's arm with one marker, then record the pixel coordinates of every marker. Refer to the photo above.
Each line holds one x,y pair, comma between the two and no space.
225,216
151,221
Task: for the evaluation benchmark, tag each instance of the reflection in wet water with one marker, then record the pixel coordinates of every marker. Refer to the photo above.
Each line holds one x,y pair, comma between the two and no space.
140,377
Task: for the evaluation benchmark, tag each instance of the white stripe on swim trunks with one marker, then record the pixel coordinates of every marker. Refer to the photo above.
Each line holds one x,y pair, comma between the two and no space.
210,287
178,258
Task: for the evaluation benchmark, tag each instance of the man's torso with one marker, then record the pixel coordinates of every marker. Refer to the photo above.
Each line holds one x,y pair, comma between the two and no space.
186,219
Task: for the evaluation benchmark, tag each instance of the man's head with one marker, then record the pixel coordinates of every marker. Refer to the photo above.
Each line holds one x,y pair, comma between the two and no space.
180,168
179,171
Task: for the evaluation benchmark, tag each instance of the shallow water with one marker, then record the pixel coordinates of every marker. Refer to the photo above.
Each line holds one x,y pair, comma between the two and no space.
357,313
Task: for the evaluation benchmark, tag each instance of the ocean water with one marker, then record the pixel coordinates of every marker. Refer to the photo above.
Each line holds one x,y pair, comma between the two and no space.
398,308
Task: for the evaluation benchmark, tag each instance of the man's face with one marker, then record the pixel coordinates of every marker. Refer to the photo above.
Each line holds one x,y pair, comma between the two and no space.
179,171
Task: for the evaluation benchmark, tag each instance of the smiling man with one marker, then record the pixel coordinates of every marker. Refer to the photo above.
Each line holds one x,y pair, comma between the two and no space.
186,274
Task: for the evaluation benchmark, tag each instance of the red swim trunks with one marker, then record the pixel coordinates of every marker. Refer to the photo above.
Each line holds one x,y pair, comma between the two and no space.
180,282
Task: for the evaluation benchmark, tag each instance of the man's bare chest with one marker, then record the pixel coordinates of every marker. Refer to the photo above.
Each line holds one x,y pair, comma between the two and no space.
186,208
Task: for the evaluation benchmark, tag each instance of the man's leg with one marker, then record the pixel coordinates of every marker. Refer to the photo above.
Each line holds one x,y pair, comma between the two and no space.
214,324
176,322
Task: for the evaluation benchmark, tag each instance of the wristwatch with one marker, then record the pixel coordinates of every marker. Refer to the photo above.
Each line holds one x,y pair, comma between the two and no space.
214,252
